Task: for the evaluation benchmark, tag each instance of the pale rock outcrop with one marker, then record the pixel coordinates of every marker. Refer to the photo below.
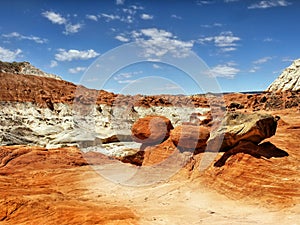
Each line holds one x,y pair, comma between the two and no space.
289,79
238,127
24,68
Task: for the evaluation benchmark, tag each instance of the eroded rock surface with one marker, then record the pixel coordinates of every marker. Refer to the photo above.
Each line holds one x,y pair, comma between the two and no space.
236,127
289,79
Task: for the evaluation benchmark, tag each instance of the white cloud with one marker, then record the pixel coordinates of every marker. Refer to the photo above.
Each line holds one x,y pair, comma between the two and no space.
92,17
287,59
268,40
126,15
72,28
224,70
121,38
160,42
228,1
56,18
212,25
146,16
9,55
120,2
77,69
24,37
127,77
176,17
74,54
205,2
262,60
53,64
156,66
254,69
225,40
269,4
109,17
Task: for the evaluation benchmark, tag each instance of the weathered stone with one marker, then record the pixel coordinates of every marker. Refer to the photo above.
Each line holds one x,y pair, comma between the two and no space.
190,137
289,79
236,127
151,129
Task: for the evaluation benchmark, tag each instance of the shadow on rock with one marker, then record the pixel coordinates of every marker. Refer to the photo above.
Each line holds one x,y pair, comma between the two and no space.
266,150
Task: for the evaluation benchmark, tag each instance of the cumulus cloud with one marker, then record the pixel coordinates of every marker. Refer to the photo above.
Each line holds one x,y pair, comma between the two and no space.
74,54
77,69
19,36
8,55
269,4
56,18
160,42
225,40
224,70
146,16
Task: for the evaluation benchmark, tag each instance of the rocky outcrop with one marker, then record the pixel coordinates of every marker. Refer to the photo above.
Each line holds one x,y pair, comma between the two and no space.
151,129
289,79
238,127
190,137
24,68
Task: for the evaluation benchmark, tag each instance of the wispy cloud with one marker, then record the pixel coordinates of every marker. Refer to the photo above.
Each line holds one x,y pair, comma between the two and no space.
212,25
19,36
92,17
156,66
174,16
53,64
228,1
225,70
74,54
268,40
205,2
269,4
226,41
122,38
56,18
262,60
120,2
9,55
287,59
145,16
77,70
126,15
127,77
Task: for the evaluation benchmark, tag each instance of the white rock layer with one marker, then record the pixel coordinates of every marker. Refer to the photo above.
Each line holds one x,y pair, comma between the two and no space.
289,79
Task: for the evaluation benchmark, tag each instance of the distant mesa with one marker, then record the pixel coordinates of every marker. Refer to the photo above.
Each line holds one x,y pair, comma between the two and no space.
289,79
24,68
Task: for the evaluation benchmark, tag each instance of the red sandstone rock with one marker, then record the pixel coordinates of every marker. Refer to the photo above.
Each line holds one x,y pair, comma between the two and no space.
151,129
190,137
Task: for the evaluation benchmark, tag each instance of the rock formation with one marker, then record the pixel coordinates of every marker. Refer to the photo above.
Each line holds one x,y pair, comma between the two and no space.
237,127
24,68
190,137
289,79
151,129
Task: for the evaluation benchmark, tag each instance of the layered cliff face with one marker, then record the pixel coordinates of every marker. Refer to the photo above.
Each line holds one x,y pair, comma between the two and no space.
289,79
24,68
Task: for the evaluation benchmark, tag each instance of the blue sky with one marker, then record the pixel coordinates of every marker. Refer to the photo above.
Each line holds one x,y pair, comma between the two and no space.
246,44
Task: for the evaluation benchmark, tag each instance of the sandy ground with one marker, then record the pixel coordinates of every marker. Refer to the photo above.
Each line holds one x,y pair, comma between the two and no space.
40,186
